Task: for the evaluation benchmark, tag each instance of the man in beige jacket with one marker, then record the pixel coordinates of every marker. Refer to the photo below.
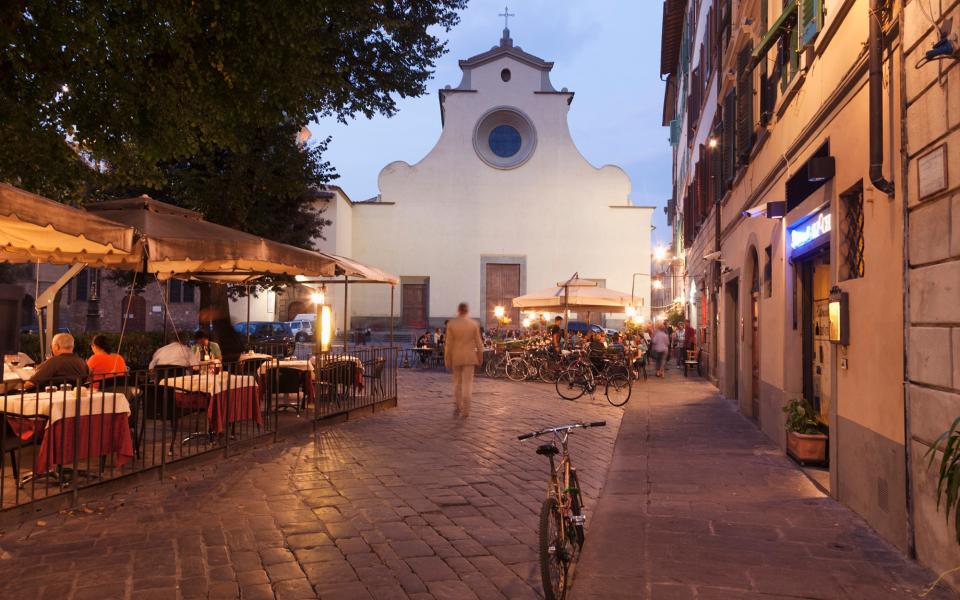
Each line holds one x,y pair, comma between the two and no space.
462,353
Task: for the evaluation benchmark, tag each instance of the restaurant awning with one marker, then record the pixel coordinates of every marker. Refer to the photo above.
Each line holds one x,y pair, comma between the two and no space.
180,243
33,228
359,272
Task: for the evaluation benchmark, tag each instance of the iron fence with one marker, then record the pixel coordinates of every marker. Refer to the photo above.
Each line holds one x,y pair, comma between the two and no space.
69,434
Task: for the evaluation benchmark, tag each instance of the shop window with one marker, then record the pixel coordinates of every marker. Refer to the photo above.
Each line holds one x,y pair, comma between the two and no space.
851,232
768,272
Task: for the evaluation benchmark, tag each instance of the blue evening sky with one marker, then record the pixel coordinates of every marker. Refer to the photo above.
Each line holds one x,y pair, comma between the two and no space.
607,51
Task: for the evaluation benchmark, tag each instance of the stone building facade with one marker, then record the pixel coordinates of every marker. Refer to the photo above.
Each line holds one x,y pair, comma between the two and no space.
92,301
802,176
931,178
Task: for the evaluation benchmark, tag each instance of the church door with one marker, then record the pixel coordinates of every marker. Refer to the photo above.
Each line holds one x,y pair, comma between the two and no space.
413,305
503,285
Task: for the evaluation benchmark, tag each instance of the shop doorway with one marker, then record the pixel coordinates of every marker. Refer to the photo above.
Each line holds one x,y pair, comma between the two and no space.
814,290
755,337
732,332
815,297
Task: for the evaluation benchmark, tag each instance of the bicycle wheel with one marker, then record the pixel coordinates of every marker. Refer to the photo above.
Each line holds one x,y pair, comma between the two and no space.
571,384
576,509
553,552
618,389
549,371
490,367
517,369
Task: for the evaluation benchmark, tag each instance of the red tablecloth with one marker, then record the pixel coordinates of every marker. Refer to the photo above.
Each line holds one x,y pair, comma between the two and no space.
99,435
241,403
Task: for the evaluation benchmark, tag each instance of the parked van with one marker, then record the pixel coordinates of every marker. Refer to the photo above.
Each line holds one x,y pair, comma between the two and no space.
302,326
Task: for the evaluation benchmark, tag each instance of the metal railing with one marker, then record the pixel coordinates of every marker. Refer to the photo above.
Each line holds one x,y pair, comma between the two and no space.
69,434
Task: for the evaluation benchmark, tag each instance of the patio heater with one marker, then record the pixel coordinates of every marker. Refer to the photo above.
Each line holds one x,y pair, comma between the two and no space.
324,322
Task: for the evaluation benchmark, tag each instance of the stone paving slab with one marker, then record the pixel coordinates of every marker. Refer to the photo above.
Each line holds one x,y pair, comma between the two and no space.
700,504
405,504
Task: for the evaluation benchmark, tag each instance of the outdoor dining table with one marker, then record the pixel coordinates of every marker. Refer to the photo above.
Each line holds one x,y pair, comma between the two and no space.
225,397
76,424
307,375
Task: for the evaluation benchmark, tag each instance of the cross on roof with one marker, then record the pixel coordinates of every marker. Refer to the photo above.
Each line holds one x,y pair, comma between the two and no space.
506,14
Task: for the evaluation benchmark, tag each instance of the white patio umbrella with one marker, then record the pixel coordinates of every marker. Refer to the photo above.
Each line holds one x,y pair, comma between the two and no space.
574,294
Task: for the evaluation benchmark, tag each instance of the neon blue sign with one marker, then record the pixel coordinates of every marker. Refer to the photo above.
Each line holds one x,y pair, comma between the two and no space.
811,230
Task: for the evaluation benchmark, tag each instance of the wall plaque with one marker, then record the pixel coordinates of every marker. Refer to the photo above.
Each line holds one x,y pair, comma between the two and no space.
932,172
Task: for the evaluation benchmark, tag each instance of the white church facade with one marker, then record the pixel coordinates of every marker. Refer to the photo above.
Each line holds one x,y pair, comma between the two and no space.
504,204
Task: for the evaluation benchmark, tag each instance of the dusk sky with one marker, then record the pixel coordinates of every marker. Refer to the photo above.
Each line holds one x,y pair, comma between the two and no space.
606,51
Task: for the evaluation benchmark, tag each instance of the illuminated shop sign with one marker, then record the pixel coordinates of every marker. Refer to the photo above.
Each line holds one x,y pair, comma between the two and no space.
810,230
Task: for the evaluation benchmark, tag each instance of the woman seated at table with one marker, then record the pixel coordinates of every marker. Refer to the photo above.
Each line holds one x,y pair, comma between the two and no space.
204,348
104,362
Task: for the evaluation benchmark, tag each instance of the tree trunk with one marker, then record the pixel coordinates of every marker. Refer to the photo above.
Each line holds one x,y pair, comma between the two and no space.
215,316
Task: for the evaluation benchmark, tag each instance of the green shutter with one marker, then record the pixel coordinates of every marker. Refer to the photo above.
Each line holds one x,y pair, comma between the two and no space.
811,18
783,23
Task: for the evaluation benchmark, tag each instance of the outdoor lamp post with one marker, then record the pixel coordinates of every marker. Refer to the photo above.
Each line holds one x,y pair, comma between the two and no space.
498,312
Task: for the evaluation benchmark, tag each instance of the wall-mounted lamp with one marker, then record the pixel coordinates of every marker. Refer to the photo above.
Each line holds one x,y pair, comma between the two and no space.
777,209
839,311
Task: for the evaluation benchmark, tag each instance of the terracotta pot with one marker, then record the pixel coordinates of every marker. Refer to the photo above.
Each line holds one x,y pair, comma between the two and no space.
807,447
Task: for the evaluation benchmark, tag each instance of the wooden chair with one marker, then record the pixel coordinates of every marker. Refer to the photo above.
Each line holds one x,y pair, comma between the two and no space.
373,372
691,362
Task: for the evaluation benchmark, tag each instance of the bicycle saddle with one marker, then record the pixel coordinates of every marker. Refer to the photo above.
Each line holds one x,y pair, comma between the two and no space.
547,449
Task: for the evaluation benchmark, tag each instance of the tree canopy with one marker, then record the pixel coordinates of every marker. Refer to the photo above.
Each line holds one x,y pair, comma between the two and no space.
134,86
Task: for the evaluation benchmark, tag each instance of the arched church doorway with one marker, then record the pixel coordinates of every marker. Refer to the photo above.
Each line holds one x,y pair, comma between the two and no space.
133,312
298,307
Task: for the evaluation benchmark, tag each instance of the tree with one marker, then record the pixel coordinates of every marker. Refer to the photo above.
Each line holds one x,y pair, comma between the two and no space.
199,102
132,85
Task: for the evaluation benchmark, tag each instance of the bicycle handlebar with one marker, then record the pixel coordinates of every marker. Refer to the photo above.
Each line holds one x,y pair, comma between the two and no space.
527,436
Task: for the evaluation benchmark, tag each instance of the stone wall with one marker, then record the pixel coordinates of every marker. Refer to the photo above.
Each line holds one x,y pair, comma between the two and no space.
932,96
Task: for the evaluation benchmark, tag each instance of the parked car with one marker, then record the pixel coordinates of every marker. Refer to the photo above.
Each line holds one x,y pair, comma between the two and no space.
302,327
268,332
582,328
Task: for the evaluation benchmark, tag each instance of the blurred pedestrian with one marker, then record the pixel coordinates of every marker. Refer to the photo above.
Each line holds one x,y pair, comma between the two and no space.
462,353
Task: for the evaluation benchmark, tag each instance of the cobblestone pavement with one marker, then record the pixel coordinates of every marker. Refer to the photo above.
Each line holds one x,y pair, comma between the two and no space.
700,504
403,504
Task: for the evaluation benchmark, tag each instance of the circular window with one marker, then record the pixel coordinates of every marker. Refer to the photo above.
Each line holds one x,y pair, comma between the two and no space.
504,138
505,74
505,141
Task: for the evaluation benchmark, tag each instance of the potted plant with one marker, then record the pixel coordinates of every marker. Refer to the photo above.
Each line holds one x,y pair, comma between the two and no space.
806,436
948,479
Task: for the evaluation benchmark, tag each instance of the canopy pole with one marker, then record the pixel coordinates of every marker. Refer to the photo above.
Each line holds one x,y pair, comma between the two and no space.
48,304
392,290
346,334
247,328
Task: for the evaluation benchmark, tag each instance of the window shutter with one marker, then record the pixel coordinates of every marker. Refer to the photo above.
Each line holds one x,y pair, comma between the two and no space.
726,141
744,140
811,19
716,171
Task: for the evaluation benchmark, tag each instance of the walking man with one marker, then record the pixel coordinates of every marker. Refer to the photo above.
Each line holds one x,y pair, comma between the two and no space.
462,353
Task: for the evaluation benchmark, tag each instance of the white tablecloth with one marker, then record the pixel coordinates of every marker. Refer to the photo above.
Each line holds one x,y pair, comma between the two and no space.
60,404
210,383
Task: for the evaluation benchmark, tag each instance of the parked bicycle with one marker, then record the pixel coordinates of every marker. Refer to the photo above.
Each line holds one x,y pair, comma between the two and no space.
561,514
583,377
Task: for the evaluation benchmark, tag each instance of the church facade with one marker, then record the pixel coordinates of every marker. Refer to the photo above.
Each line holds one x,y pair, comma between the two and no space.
504,204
